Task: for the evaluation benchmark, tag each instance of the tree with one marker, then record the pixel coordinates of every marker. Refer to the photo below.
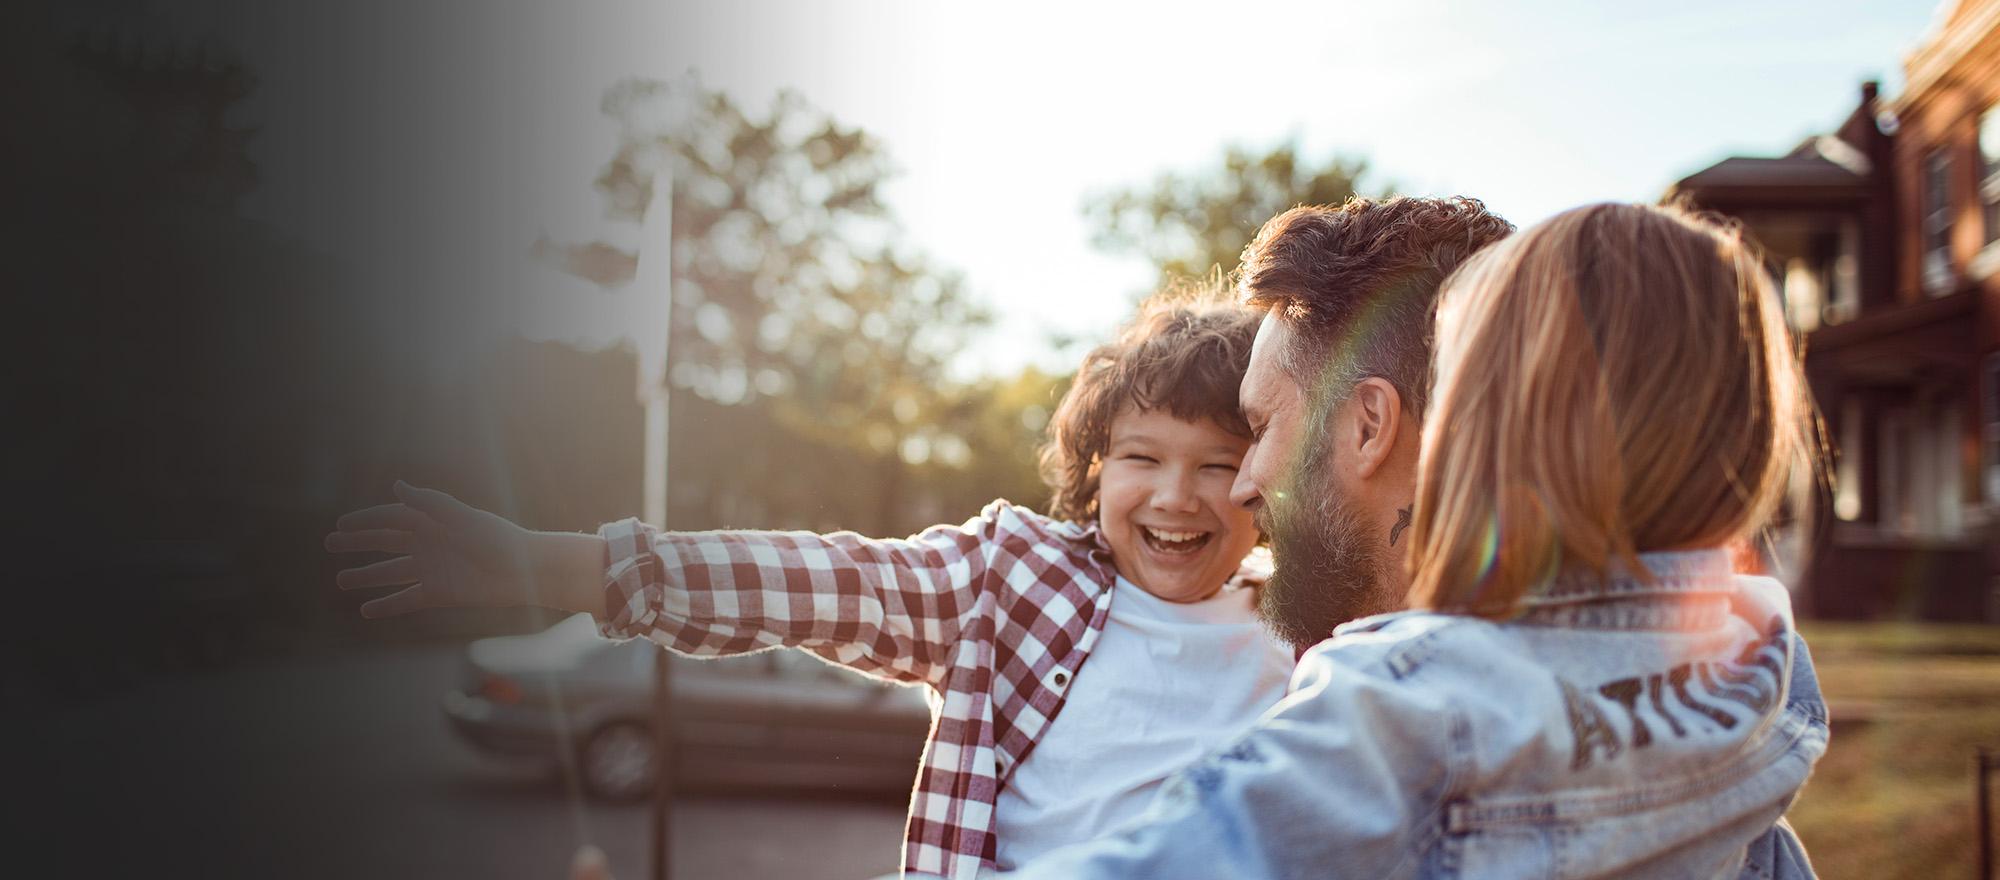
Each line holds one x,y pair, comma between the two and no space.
791,292
1191,224
990,436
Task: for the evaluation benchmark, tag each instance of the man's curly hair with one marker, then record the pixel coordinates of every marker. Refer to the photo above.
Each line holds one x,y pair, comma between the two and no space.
1184,355
1357,286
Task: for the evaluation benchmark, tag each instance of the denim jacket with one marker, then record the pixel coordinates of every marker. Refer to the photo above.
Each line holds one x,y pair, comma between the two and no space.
1619,727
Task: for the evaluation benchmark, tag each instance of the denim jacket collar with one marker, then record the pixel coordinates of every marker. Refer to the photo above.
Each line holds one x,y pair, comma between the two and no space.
1674,573
1689,590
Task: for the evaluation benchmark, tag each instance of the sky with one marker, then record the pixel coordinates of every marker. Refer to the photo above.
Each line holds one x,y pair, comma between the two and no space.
1003,118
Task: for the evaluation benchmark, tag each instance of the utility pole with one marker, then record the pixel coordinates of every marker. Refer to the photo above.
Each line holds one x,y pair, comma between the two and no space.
655,293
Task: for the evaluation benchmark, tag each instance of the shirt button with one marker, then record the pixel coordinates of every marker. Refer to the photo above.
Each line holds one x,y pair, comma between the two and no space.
1061,678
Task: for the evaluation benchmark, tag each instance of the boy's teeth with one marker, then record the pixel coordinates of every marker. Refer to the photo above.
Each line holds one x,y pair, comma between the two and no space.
1175,537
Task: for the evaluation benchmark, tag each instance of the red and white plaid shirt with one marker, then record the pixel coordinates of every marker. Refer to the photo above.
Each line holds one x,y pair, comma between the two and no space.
995,615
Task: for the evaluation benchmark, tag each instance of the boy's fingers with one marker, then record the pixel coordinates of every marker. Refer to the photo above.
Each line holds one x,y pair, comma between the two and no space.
367,540
387,573
381,516
397,604
438,505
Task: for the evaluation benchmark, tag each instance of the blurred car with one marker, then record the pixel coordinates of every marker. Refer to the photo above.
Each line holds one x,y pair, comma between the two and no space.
775,719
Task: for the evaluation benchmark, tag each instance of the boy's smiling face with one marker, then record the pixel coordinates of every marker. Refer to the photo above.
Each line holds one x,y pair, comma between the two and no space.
1163,503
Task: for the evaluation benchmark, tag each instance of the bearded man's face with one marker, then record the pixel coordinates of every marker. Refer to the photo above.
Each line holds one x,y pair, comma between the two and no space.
1329,555
1328,560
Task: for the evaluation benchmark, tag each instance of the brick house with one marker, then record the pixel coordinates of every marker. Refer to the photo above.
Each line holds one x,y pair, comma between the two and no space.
1885,237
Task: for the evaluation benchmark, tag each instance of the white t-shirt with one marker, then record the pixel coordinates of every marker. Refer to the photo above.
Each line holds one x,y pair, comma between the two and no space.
1166,684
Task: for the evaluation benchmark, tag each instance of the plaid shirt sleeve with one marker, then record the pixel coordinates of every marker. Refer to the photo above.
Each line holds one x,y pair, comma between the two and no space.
892,608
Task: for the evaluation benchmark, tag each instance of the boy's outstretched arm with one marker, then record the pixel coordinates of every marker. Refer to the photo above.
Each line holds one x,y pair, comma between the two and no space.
450,554
889,607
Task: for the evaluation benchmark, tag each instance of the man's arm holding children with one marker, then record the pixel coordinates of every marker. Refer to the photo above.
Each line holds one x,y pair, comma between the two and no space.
1338,779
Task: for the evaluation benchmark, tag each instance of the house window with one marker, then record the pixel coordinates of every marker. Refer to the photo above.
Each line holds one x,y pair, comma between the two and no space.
1944,516
1892,443
1847,467
1819,282
1805,304
1846,301
1919,481
1937,223
1989,418
1989,172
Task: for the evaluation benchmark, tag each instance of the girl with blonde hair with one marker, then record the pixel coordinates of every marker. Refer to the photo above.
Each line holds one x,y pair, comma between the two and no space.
1583,687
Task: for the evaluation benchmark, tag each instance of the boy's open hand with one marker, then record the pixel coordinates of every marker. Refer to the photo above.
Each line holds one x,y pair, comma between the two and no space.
448,553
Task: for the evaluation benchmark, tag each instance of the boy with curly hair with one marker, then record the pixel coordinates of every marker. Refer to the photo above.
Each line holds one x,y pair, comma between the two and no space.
1031,748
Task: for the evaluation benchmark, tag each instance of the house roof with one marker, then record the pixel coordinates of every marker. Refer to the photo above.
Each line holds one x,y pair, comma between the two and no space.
1805,175
1787,171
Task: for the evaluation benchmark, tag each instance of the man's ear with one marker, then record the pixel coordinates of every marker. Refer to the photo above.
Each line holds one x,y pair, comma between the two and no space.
1378,415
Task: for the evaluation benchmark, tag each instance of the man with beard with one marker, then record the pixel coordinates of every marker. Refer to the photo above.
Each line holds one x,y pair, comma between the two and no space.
1333,780
1335,395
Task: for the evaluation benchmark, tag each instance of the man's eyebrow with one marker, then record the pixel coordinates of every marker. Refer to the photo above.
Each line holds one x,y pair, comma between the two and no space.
1251,409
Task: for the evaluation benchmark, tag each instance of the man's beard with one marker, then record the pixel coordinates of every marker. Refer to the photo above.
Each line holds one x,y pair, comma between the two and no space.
1328,566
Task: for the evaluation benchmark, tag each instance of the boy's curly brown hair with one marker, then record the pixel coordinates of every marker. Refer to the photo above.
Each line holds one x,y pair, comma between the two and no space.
1184,355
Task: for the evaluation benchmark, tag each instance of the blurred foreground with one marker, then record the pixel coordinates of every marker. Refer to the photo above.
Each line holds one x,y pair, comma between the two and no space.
1893,798
344,767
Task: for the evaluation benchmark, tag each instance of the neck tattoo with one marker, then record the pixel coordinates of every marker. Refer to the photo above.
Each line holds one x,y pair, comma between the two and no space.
1402,522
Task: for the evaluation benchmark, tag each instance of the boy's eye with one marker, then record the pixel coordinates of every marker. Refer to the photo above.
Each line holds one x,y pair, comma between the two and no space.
1133,456
1222,467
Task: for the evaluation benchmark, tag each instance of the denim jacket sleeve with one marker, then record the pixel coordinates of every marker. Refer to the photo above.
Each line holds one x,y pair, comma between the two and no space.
1343,778
1777,855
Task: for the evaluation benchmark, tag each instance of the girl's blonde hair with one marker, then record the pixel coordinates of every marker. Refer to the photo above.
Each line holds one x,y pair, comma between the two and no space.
1615,380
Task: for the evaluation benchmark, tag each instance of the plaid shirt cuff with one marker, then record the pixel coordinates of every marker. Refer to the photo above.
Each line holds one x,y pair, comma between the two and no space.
635,580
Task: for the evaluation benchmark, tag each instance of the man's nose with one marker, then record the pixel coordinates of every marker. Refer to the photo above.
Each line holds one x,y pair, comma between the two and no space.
1244,492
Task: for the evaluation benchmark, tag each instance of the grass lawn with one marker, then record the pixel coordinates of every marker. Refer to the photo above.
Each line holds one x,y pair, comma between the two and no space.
1893,796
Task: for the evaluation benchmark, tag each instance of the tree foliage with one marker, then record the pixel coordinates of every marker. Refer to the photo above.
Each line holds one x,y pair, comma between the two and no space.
789,277
793,293
1192,223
